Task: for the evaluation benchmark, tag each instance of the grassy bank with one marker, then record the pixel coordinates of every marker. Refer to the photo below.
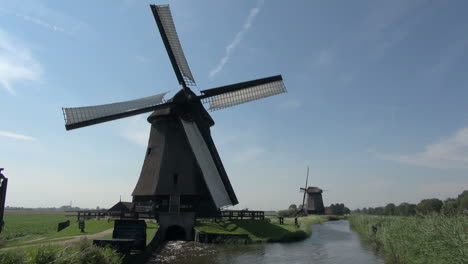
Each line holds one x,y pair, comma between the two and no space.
82,252
432,239
268,230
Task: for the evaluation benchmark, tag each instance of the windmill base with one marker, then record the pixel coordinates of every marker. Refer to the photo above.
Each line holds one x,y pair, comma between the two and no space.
176,226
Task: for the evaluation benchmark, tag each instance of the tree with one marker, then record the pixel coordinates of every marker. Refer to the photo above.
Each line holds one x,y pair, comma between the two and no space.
463,202
429,206
293,207
390,209
450,207
406,209
339,209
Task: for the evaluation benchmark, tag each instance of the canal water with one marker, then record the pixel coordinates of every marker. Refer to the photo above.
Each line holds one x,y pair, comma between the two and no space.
331,242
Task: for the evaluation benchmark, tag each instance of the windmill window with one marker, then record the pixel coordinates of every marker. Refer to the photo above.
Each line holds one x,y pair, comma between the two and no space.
148,151
176,178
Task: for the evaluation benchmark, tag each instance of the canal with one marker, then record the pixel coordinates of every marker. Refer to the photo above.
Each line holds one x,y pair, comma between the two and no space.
331,242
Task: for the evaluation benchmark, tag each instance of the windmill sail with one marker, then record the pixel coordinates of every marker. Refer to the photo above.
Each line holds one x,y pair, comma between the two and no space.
305,188
162,15
207,164
230,95
76,117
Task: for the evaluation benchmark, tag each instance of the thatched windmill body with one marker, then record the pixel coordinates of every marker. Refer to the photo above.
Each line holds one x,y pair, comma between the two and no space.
182,170
312,202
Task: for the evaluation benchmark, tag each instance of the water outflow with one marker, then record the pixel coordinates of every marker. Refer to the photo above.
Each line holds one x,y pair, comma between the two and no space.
331,242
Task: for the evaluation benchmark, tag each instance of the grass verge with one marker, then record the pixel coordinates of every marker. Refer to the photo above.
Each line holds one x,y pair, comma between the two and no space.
432,239
268,230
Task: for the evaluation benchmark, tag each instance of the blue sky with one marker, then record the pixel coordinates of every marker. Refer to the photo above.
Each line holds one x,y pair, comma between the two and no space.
376,101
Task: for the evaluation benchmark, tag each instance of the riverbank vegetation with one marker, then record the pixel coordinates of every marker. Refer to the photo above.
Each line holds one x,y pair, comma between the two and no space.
337,209
79,253
268,230
449,207
420,233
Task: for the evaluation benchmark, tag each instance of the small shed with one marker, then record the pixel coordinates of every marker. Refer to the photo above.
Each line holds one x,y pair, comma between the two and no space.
121,209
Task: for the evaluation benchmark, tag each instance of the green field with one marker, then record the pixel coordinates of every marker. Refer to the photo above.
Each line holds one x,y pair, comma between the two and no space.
34,224
431,239
268,230
37,228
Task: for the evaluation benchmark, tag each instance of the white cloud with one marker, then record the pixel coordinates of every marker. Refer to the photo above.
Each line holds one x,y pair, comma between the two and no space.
38,13
248,154
448,153
137,130
237,39
16,63
16,136
324,57
139,137
290,104
41,22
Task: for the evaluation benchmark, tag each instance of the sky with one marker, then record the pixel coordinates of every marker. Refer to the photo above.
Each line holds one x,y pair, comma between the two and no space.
376,103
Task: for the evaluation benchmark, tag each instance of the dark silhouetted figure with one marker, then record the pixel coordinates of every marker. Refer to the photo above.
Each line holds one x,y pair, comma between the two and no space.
81,225
3,189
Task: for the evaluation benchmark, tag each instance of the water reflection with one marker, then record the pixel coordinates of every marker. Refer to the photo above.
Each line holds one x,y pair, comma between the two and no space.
331,242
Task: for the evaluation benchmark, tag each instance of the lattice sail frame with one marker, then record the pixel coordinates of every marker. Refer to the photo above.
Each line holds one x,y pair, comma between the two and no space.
75,115
245,95
207,164
164,13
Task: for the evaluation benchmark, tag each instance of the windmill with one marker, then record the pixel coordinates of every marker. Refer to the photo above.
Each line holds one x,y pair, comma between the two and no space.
312,201
182,170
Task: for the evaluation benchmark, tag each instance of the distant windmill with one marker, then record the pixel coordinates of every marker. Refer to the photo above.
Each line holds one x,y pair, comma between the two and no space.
312,201
182,170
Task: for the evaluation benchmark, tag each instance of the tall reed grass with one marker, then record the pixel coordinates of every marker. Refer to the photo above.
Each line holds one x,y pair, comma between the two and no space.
431,239
81,253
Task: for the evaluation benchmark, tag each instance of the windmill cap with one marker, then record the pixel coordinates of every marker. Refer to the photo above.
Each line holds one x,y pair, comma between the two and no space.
180,108
312,189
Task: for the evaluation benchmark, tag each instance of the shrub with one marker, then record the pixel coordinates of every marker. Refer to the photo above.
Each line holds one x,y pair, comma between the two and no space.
44,255
12,257
287,213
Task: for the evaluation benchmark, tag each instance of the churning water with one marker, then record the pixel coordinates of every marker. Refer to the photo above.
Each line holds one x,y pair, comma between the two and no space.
331,242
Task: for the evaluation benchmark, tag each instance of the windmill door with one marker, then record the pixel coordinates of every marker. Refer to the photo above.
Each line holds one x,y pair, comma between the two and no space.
174,203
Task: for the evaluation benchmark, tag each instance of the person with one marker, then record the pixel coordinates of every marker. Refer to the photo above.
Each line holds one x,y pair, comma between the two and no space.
81,225
296,223
281,220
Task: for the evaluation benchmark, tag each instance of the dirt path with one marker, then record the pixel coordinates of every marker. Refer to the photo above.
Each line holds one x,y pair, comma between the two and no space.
66,240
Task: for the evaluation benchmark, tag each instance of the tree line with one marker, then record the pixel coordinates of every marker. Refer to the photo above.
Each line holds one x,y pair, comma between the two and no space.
334,209
449,207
